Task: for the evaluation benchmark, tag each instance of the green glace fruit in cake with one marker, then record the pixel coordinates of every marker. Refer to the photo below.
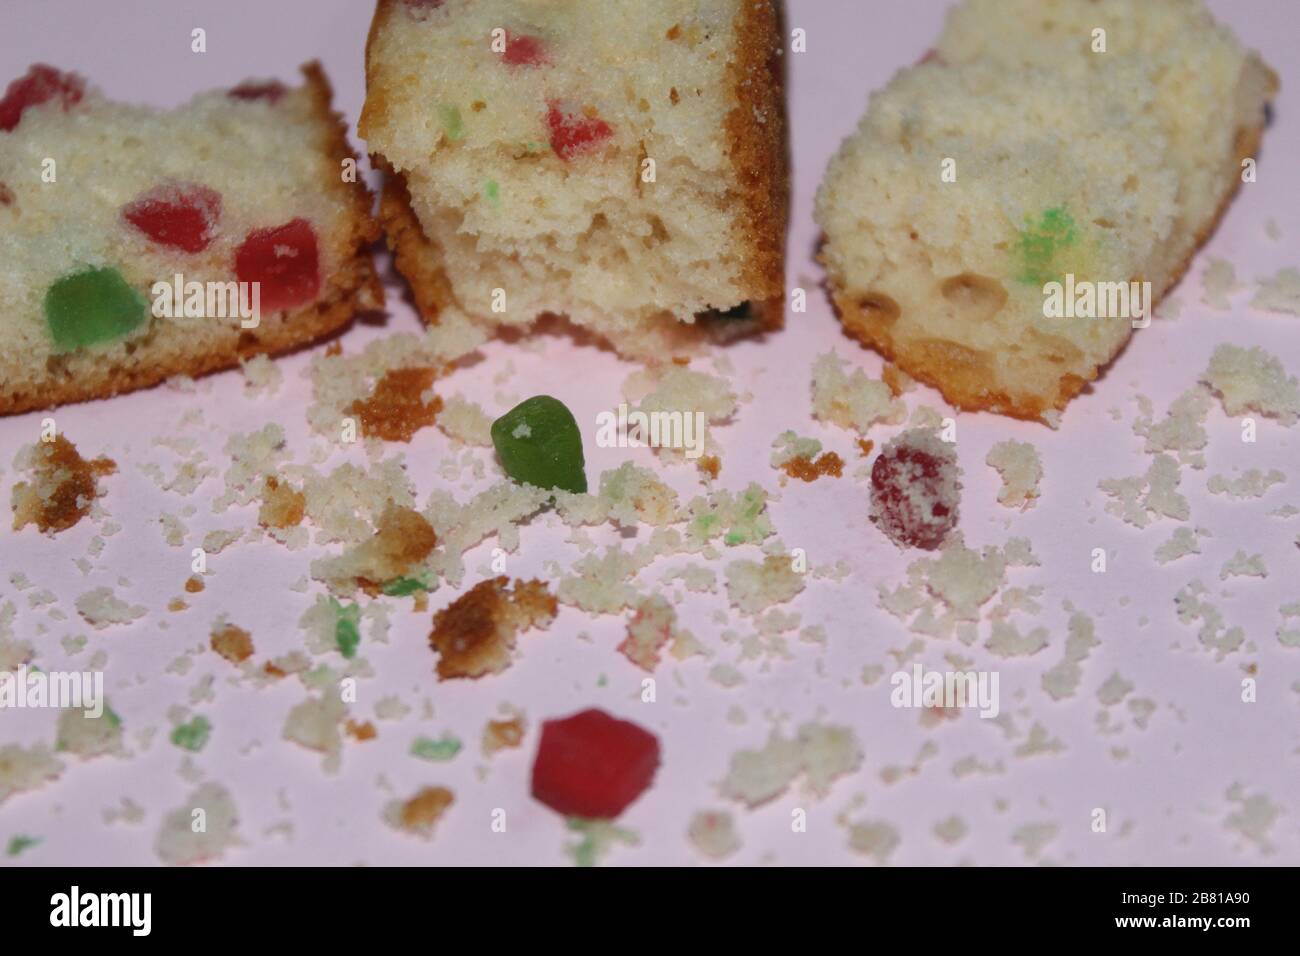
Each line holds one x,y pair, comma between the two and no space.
1041,245
91,307
539,444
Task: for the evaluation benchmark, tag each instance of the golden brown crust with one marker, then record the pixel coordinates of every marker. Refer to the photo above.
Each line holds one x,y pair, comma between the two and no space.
352,287
417,257
757,143
964,376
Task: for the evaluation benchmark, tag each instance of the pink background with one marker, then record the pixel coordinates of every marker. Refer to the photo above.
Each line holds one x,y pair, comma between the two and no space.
1170,789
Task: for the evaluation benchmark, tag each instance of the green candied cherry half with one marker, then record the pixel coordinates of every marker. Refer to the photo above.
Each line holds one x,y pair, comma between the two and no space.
539,444
90,307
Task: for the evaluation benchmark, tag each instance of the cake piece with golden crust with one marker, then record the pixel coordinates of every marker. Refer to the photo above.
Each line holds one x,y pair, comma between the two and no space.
616,162
102,204
1093,145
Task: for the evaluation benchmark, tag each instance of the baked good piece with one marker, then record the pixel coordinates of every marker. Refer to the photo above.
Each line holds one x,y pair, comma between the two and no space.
617,162
99,201
1015,156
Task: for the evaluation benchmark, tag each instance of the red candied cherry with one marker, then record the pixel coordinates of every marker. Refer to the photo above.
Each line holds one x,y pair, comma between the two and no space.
524,50
39,85
179,215
592,765
574,133
915,489
270,90
284,261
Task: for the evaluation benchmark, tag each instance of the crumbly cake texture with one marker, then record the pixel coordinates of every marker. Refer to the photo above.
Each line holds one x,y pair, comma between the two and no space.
1112,167
270,160
517,175
63,488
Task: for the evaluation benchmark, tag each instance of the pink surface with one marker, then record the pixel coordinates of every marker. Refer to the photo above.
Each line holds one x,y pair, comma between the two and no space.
1166,800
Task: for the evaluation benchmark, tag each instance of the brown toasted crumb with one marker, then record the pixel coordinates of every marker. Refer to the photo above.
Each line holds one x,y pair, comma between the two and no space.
420,603
6,195
233,643
805,469
396,409
674,97
710,465
62,490
272,671
176,604
674,32
897,380
333,349
475,634
503,734
402,539
864,446
361,731
681,360
424,809
283,506
194,584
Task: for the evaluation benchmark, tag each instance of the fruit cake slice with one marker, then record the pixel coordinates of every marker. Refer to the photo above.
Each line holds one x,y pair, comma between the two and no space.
618,162
1019,154
103,203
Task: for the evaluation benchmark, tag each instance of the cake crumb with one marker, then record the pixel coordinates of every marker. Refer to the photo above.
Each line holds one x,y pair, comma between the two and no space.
476,633
420,814
63,487
1021,470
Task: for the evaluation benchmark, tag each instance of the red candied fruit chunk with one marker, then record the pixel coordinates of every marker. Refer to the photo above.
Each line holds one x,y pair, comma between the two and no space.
573,133
931,56
38,85
592,765
269,90
524,51
915,491
178,215
284,260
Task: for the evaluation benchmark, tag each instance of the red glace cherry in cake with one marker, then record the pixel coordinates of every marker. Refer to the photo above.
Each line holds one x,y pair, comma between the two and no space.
592,765
915,489
177,215
522,50
284,260
575,133
40,84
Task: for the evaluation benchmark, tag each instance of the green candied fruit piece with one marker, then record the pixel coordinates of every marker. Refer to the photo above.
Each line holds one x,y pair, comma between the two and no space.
20,843
539,444
347,628
438,750
492,191
405,587
452,124
90,307
1039,244
194,735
